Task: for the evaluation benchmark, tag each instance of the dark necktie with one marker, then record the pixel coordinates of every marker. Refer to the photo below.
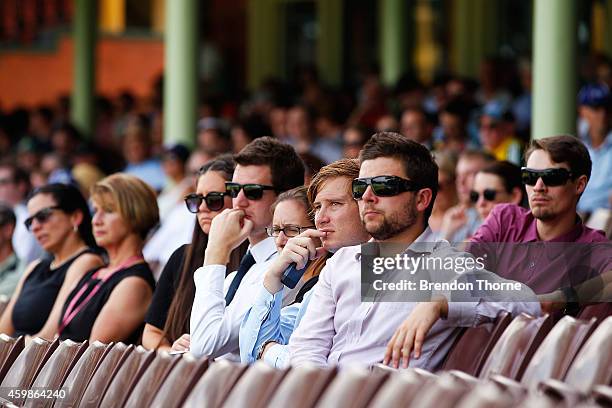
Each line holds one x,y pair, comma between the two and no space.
245,264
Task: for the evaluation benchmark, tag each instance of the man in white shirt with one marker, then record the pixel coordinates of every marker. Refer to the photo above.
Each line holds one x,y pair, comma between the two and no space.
395,192
264,168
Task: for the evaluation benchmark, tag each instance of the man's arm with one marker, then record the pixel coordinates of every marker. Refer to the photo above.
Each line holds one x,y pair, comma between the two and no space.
312,340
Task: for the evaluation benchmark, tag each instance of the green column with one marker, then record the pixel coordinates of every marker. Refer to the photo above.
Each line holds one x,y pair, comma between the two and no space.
264,47
181,71
329,40
84,34
394,53
554,68
474,34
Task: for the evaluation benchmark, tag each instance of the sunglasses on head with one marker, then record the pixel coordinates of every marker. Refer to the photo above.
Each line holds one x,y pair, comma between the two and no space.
41,216
290,231
550,177
251,191
488,194
382,186
214,201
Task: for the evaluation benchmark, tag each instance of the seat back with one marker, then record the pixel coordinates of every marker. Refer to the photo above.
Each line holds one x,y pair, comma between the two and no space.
146,388
400,389
555,354
487,395
104,373
255,386
352,388
10,348
216,383
442,392
598,310
27,365
55,370
593,364
302,387
81,374
180,382
474,345
127,376
512,352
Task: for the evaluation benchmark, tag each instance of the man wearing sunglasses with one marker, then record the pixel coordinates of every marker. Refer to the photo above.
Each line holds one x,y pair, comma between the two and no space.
264,168
395,191
555,176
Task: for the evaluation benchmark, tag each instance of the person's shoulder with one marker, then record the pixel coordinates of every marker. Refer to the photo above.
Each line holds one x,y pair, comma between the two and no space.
591,235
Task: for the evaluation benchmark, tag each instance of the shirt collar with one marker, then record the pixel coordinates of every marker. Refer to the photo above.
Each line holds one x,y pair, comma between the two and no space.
426,243
570,236
263,250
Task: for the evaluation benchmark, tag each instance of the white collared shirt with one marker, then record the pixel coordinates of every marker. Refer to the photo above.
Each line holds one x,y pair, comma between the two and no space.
338,328
214,327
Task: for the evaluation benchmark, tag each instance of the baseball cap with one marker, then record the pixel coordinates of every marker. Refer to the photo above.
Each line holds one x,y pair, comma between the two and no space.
594,95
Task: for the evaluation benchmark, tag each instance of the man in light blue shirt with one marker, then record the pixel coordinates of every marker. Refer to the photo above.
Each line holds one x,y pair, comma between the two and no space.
266,327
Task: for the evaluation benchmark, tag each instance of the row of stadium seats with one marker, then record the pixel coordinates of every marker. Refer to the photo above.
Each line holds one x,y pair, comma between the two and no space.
525,361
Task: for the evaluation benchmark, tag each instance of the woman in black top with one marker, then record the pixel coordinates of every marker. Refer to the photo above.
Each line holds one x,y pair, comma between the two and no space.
109,303
167,320
60,221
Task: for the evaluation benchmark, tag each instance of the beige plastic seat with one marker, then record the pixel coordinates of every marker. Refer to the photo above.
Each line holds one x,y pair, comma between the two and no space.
104,374
127,376
55,370
146,388
180,382
214,386
302,387
81,374
442,392
255,386
401,387
10,348
353,388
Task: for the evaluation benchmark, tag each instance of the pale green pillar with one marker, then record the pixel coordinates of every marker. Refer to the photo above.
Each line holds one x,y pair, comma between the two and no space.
394,52
554,68
84,34
181,72
329,40
264,41
474,34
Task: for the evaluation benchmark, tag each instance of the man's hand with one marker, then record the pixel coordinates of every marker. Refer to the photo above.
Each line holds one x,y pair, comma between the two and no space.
298,249
552,302
227,231
412,332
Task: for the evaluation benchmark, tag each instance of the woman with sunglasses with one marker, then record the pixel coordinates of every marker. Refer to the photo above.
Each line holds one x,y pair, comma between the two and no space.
109,303
167,320
499,182
60,220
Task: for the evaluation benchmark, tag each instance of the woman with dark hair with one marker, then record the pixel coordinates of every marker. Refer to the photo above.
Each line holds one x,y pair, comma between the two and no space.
499,182
59,219
167,320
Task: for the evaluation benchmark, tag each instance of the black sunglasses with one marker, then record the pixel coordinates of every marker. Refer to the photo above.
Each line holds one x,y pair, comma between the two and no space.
214,201
550,177
290,231
251,191
41,216
382,186
488,194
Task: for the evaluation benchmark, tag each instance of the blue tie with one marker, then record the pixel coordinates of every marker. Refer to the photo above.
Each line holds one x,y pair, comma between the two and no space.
245,264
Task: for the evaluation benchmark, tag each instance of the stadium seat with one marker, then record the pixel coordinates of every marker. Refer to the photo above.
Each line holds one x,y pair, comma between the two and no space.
148,385
599,310
56,369
127,376
255,386
474,345
292,392
353,388
512,352
10,348
215,385
602,395
81,374
486,395
443,392
180,382
27,365
104,374
401,387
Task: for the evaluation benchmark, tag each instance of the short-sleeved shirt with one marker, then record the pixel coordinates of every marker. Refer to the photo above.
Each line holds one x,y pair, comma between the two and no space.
166,288
509,238
79,328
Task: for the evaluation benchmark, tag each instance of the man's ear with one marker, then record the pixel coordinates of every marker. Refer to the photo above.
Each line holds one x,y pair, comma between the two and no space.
581,183
423,199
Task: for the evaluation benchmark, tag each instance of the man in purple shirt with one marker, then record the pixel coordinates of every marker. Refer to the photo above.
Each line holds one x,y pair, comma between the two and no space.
547,247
